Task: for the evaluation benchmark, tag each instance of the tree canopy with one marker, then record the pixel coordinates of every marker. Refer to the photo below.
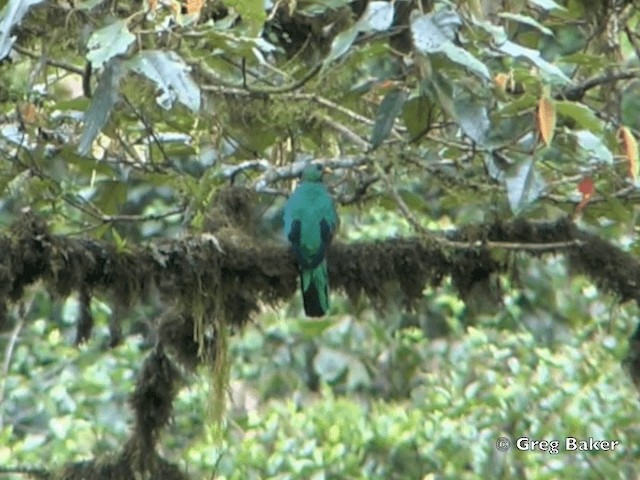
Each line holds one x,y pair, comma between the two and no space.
484,162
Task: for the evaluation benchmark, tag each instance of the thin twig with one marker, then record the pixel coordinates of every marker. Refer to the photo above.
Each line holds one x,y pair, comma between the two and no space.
141,218
292,170
404,209
345,131
246,89
149,129
6,364
531,247
632,37
54,63
333,106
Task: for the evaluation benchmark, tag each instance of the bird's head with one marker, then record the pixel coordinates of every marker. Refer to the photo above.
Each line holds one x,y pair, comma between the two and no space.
312,173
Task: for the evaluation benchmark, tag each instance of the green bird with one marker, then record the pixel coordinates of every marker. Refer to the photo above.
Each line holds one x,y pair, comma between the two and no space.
310,219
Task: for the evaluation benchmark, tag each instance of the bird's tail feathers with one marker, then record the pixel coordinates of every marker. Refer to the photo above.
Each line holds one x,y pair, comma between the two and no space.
315,290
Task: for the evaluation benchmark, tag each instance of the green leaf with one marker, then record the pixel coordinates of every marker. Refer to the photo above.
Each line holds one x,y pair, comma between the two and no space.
518,51
464,58
415,114
519,104
526,20
317,8
60,426
341,44
547,4
630,105
120,242
448,22
10,16
594,147
16,185
429,38
171,74
104,99
473,118
311,330
106,43
387,113
377,17
586,60
330,364
524,184
444,92
113,195
358,375
252,12
77,104
83,164
87,4
581,113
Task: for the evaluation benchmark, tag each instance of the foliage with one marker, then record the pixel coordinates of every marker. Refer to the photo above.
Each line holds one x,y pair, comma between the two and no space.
120,122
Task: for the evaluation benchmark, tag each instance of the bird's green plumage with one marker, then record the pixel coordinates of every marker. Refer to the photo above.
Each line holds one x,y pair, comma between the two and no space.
310,219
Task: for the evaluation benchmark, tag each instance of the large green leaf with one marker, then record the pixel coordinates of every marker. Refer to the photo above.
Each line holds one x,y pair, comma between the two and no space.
104,99
427,37
317,8
630,105
388,111
252,12
341,44
594,147
330,364
547,4
431,34
524,184
106,43
582,114
377,17
415,114
464,58
518,51
111,197
526,20
169,72
443,90
472,117
11,15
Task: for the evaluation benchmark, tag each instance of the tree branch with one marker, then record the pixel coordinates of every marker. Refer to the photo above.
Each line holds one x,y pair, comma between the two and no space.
576,92
192,268
54,63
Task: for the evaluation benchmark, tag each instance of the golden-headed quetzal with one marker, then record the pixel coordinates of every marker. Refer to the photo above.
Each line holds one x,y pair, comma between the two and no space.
310,220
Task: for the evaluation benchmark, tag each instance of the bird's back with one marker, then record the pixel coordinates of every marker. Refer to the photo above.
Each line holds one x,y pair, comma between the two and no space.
310,205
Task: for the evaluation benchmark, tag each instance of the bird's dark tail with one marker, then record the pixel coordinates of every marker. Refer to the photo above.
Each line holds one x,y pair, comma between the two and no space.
315,290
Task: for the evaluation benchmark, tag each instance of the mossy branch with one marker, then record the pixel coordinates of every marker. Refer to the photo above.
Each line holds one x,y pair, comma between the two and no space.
243,273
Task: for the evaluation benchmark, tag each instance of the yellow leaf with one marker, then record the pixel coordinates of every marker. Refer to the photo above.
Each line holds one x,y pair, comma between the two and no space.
174,6
630,148
29,112
194,6
501,80
546,119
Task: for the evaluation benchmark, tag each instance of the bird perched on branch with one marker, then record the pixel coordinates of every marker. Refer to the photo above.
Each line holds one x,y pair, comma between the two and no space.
310,220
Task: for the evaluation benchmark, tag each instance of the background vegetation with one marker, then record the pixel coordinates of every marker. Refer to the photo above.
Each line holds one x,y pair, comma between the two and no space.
485,276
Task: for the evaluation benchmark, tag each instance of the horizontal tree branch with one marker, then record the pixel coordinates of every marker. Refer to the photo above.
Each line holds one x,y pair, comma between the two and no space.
576,92
50,61
233,275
